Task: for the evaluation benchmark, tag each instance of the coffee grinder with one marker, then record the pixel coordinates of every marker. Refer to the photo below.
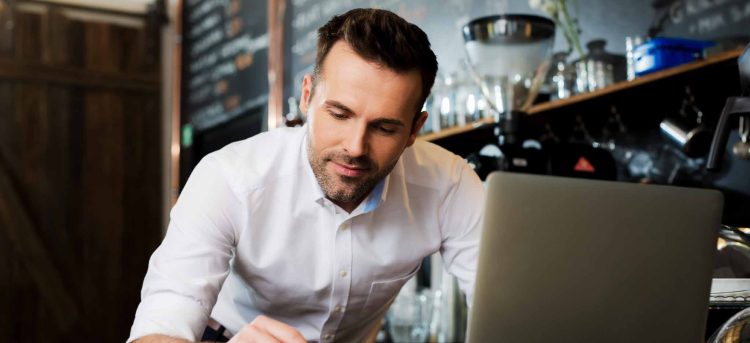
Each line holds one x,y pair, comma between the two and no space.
508,58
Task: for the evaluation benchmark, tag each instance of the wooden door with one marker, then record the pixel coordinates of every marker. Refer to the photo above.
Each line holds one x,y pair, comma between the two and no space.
80,169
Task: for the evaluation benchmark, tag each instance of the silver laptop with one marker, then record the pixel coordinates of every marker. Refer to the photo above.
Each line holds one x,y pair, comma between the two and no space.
572,260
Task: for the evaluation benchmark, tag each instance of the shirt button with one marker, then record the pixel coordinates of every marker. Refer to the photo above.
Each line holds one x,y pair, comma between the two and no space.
343,273
338,308
328,337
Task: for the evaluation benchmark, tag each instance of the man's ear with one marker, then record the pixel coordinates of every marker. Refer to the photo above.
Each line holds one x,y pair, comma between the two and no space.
417,127
307,88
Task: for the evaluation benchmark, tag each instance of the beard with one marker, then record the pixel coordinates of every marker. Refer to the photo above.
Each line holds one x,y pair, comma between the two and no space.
341,188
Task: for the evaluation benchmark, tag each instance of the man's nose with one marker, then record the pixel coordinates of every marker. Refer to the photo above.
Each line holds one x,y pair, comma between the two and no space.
356,141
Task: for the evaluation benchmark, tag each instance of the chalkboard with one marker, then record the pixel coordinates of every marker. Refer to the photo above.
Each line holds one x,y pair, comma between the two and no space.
225,61
442,21
706,19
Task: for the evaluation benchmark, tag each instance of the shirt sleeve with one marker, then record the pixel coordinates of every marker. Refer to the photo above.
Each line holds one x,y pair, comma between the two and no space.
461,225
186,271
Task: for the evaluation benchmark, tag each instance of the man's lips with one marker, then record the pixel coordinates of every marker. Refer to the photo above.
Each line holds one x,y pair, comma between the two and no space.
347,170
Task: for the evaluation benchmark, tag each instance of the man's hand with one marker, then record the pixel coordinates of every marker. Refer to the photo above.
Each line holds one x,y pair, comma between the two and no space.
267,330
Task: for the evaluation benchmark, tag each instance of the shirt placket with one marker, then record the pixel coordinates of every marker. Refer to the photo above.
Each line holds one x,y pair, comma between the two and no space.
342,280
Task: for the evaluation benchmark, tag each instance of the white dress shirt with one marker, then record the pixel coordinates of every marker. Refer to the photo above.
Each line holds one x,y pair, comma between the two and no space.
252,233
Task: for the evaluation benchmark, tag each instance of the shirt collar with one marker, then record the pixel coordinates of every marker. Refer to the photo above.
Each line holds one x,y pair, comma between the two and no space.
376,197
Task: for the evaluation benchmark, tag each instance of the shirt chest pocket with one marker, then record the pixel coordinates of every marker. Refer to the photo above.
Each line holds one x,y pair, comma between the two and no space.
382,292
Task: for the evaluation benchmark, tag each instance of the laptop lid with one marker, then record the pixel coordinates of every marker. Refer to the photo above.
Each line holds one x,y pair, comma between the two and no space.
574,260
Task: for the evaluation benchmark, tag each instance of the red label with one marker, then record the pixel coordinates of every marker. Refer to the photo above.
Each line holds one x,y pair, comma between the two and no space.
584,165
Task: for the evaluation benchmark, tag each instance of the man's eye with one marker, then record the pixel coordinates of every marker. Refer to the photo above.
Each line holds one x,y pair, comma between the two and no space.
386,129
339,116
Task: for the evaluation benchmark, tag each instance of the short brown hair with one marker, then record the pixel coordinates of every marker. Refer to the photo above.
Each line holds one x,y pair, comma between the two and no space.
382,37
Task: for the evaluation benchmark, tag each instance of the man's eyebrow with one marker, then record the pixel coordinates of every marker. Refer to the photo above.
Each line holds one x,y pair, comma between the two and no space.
334,103
389,121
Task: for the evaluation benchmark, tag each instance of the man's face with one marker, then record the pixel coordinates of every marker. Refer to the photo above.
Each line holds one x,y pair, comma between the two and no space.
360,120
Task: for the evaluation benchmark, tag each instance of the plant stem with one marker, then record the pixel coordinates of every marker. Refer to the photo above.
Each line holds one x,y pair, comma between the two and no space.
571,29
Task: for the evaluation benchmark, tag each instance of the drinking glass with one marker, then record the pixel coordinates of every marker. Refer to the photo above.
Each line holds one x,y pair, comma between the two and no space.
409,317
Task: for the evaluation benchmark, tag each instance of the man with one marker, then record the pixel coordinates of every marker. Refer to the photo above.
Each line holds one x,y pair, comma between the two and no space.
309,233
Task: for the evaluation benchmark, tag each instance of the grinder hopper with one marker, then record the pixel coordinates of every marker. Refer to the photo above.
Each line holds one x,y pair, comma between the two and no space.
509,56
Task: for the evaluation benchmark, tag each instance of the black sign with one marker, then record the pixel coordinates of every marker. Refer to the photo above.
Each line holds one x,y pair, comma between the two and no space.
707,19
225,60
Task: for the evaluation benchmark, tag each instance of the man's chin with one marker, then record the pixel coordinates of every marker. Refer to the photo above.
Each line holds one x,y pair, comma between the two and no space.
347,191
341,197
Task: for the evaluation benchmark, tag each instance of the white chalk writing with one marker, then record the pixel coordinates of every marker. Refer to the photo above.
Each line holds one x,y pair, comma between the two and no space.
203,62
244,43
214,114
206,24
205,7
206,42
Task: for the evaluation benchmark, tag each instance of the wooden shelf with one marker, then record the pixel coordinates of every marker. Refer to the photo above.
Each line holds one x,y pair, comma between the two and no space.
718,58
551,105
456,130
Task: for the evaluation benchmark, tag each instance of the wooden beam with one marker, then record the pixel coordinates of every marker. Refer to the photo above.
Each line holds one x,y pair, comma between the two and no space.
276,11
176,106
13,70
16,224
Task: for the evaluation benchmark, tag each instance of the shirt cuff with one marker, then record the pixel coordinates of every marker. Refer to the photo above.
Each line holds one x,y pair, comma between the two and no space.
170,315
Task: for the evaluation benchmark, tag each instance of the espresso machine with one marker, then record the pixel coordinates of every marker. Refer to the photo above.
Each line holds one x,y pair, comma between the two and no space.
729,166
730,163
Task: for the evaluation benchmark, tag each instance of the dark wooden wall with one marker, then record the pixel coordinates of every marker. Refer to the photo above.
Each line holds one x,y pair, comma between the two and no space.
80,171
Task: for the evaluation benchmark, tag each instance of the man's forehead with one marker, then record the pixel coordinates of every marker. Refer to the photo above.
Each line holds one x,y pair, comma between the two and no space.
342,49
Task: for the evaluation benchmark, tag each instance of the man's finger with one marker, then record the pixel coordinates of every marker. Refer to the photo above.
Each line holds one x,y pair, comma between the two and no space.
278,330
253,334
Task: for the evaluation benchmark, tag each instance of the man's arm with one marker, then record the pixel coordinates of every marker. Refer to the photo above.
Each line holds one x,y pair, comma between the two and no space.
188,269
186,272
462,212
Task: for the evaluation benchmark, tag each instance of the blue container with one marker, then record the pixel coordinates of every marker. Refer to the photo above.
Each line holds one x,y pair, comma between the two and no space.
661,53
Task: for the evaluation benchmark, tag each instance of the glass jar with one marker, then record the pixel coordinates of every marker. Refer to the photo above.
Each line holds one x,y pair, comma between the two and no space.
467,97
560,80
598,69
442,108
